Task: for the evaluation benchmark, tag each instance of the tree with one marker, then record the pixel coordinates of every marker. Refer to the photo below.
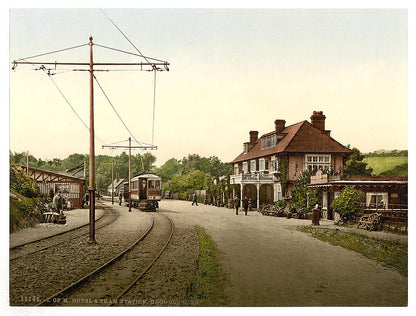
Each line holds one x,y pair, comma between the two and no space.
355,165
302,196
169,169
349,203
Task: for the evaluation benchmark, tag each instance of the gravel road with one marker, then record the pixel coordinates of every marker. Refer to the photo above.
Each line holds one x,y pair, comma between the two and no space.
269,263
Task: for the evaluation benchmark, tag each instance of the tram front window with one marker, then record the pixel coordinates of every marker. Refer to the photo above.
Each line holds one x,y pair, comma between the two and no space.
154,184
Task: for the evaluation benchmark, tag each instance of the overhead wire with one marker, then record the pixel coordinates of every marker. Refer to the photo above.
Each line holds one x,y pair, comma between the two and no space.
130,53
154,69
61,93
123,34
72,108
114,109
53,52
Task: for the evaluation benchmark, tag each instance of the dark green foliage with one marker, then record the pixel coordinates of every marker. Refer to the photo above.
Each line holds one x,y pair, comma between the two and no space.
387,153
21,183
355,165
349,204
283,162
281,203
400,170
169,169
25,208
24,212
196,173
304,197
207,286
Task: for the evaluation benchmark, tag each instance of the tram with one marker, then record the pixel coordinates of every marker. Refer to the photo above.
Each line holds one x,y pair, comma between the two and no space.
146,191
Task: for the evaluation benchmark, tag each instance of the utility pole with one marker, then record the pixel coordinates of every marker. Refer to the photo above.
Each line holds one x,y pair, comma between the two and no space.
129,174
90,65
112,181
91,188
130,147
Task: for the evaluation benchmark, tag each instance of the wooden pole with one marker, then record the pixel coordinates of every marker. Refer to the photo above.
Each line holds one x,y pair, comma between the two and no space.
129,174
112,181
91,188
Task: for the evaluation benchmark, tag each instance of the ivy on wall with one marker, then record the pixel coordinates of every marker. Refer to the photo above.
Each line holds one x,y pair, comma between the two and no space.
283,164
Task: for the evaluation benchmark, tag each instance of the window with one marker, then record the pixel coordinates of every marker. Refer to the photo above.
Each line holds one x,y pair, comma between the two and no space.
252,165
245,148
245,167
262,164
315,162
274,166
377,200
268,141
236,169
154,184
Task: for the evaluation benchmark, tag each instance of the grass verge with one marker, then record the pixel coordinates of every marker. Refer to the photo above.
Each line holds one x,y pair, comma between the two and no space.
390,253
207,286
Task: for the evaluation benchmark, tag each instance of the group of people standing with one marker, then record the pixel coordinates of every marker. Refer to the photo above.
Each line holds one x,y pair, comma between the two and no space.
237,204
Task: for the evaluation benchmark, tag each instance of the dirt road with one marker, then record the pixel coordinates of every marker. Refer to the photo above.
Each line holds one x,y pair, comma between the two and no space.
268,263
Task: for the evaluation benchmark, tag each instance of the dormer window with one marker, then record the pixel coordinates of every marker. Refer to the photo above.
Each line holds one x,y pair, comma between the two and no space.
268,141
245,148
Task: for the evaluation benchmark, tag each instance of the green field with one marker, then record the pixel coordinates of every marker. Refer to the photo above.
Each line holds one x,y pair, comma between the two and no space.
382,164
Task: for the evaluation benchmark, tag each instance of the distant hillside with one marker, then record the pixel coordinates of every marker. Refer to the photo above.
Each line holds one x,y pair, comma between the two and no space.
386,153
387,165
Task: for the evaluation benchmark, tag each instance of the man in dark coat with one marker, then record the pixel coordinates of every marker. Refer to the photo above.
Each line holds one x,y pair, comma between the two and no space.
245,204
195,200
236,204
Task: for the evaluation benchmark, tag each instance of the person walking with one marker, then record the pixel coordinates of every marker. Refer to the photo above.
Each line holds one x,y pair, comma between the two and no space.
195,199
245,205
120,197
236,204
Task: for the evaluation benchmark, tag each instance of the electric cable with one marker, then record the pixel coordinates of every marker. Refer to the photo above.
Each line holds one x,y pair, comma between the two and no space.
114,109
72,108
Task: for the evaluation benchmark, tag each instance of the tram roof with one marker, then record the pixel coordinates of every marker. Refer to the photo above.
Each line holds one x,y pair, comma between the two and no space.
146,175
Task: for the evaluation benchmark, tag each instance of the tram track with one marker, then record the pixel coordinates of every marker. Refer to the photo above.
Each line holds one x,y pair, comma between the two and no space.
45,243
107,284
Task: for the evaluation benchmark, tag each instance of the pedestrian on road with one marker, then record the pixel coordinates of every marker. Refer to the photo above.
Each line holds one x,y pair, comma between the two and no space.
120,197
58,202
195,200
245,205
236,204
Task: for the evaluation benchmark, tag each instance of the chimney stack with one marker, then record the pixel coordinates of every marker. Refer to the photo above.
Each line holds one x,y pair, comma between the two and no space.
279,125
318,120
254,135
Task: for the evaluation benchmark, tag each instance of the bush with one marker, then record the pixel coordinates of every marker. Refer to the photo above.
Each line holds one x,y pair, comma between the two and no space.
24,211
21,183
349,203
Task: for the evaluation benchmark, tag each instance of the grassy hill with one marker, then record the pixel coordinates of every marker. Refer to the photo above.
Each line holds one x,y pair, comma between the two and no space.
394,165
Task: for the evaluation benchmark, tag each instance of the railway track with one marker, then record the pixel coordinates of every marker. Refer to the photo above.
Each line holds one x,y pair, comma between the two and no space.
107,284
42,244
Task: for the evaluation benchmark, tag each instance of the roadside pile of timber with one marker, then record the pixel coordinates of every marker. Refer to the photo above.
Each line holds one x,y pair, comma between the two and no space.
288,211
272,210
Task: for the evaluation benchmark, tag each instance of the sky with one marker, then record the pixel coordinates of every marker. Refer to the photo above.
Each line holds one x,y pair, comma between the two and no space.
231,71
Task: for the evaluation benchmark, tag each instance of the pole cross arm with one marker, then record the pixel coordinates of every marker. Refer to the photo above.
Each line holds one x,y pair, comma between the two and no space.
151,147
15,63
